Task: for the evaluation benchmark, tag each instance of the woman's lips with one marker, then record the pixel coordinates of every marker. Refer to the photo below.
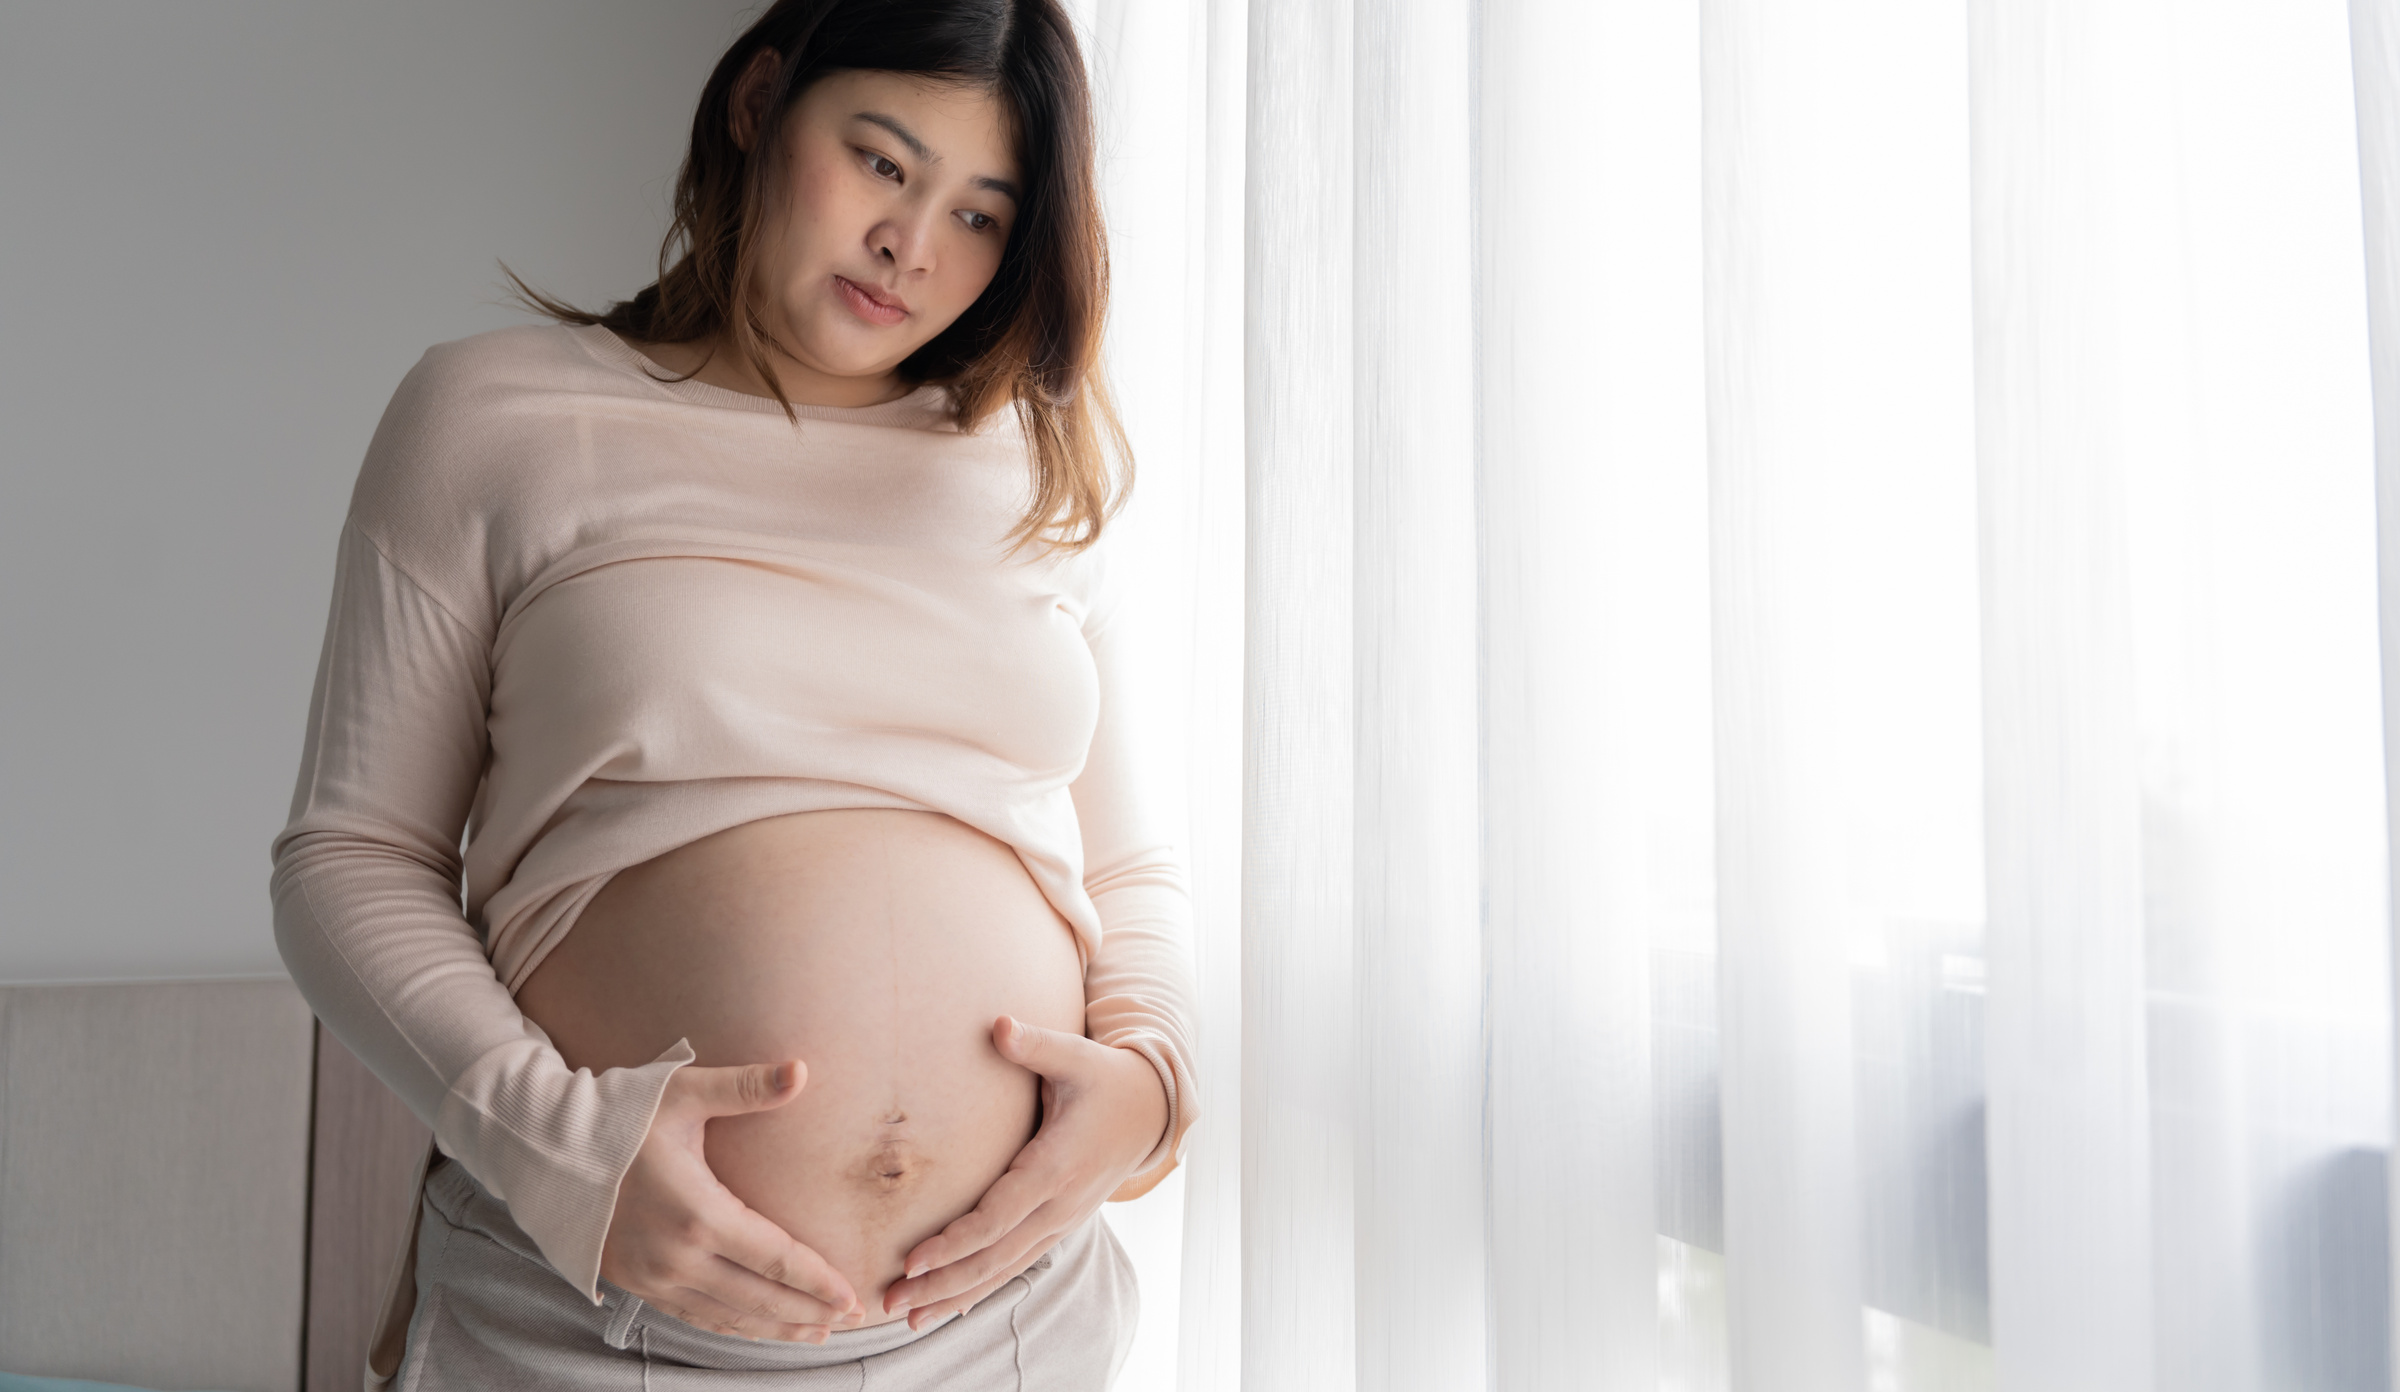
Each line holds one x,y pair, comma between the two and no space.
868,305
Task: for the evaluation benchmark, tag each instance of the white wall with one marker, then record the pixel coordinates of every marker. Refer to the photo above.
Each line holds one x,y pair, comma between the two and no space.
226,230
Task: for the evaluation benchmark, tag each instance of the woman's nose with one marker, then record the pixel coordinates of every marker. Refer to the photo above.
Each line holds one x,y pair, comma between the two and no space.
904,239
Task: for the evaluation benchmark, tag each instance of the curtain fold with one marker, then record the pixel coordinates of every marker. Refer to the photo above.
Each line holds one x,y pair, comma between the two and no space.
1299,1105
1791,1200
1210,1317
2375,74
1591,491
1417,940
2068,1077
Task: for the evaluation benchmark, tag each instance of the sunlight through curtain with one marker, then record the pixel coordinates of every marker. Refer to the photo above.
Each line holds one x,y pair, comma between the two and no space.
1766,624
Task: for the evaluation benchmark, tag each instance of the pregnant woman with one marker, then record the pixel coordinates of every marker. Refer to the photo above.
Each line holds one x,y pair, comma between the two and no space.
819,974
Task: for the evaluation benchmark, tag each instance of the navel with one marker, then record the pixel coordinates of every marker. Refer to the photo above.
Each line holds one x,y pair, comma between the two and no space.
889,1167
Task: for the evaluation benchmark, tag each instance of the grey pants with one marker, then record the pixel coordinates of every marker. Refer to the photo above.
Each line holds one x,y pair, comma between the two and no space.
492,1314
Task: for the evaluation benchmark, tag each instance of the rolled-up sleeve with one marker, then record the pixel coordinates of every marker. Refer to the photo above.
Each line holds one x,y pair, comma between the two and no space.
367,907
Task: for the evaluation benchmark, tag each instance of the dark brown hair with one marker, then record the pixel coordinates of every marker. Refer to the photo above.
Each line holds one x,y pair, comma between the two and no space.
1032,338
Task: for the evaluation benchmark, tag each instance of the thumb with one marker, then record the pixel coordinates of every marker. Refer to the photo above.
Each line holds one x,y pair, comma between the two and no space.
748,1087
1030,1046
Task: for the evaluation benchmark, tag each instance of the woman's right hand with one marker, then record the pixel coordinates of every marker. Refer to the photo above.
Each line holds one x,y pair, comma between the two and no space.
683,1243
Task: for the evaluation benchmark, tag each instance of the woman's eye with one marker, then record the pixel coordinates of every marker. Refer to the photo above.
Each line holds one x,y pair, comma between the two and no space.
883,166
982,222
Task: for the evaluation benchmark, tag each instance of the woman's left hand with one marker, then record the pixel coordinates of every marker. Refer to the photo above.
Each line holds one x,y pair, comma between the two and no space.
1102,1111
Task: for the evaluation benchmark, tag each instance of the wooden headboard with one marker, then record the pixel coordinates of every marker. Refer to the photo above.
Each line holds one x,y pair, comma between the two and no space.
198,1188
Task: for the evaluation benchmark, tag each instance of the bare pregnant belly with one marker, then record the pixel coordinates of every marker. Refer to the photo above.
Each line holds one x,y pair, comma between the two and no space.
875,945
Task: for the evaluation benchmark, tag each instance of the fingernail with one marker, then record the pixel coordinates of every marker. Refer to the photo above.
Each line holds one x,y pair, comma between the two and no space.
918,1270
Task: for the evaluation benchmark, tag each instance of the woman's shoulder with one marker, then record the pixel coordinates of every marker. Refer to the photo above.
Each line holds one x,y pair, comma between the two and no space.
504,382
1096,577
462,440
499,367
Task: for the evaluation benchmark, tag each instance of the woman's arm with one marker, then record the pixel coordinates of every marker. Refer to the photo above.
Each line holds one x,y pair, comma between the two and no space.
368,917
1138,989
366,892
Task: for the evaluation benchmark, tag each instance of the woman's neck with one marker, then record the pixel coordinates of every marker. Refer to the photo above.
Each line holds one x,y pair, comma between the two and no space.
720,366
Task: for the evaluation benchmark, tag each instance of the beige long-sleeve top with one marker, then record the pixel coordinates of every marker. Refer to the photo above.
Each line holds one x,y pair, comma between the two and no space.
585,617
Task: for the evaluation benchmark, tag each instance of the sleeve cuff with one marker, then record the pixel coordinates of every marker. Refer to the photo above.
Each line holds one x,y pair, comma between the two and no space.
1167,1153
561,1189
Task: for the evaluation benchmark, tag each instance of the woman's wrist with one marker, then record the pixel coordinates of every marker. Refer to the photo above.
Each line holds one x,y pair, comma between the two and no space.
1148,1101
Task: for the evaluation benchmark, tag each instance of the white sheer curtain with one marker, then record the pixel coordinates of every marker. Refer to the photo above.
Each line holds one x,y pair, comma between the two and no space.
1769,627
2375,64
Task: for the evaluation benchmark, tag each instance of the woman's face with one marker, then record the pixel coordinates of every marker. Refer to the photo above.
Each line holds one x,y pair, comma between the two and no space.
899,197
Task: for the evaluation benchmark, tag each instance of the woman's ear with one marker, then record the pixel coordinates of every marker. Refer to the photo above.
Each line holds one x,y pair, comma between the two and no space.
751,92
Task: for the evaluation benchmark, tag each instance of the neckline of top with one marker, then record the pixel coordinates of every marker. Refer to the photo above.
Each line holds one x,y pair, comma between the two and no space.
923,408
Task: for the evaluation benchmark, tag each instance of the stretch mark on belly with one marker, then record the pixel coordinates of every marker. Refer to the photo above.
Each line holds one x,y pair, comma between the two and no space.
891,947
890,1169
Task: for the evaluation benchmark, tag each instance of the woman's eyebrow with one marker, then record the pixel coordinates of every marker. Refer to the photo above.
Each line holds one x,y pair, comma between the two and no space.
907,137
925,152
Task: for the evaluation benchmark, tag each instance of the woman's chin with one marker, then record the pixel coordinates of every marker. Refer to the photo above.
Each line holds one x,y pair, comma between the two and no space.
832,380
836,343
